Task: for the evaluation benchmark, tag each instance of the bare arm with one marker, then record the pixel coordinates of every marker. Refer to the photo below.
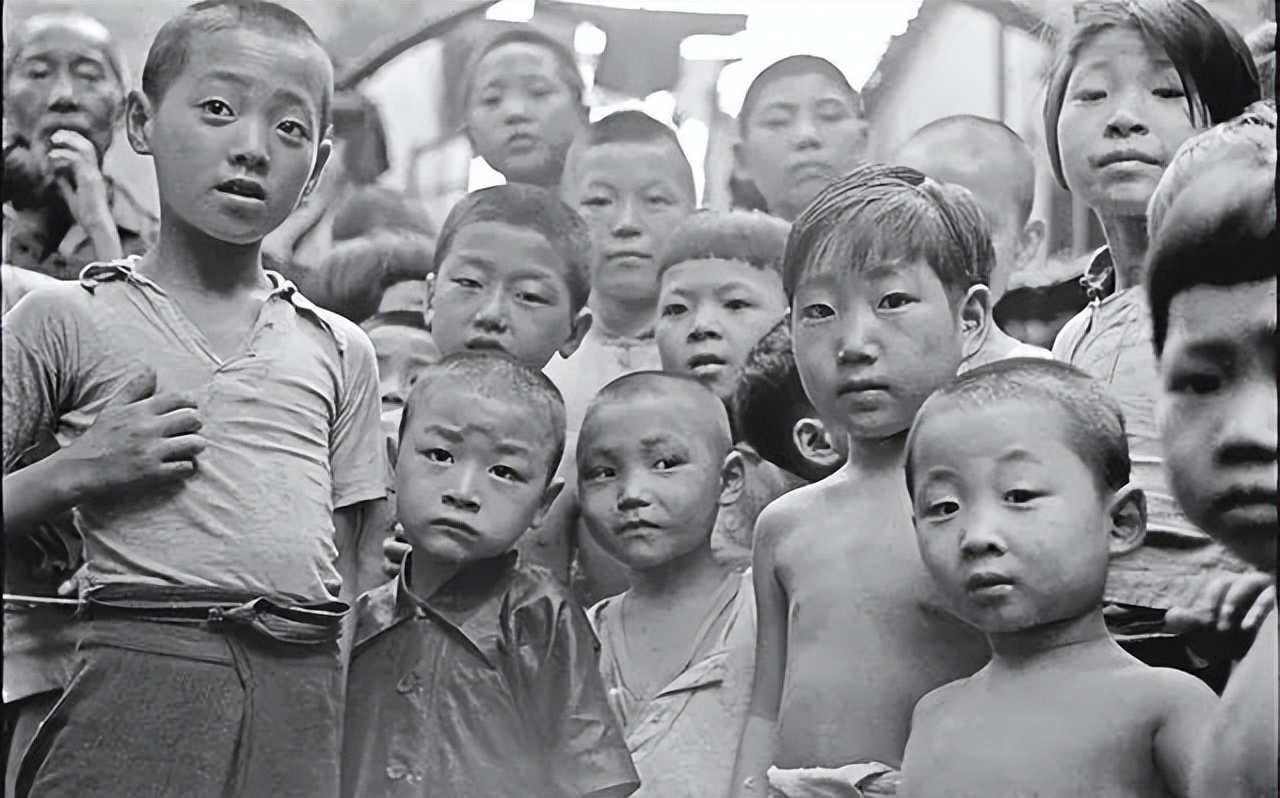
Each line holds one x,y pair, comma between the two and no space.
1178,741
756,748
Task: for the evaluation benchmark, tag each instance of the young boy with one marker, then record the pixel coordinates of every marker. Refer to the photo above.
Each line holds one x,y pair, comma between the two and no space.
472,674
1019,473
801,126
997,168
628,177
775,418
1212,290
404,347
720,292
213,593
655,463
850,632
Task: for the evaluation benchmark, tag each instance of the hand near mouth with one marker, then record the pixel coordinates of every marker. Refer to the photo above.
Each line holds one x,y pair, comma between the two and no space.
73,161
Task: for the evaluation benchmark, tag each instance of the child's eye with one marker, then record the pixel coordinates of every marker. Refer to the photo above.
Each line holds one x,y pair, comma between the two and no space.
465,282
1090,95
1021,496
942,509
1199,384
1170,93
437,455
776,122
490,100
738,304
658,199
667,463
295,129
216,108
598,473
506,473
595,202
818,311
532,299
673,310
896,300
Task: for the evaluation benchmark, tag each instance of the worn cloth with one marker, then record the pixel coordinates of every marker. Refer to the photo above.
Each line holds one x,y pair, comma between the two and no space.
15,283
26,245
735,523
684,737
859,780
1111,340
190,710
489,688
291,424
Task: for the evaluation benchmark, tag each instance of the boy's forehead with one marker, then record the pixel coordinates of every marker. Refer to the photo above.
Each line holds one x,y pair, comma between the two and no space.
504,244
715,271
448,399
648,415
296,69
1237,314
628,164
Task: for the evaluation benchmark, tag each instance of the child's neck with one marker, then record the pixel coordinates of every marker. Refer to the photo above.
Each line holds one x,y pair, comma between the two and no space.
690,574
427,574
1127,240
189,261
620,318
870,456
1031,647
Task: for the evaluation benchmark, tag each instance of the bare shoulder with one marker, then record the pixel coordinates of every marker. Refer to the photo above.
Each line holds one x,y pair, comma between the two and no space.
940,700
1177,690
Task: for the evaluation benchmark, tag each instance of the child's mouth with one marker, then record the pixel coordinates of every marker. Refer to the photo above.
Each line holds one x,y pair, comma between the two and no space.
705,362
242,187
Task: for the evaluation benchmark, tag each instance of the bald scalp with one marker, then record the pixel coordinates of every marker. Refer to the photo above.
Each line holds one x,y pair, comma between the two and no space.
691,396
983,155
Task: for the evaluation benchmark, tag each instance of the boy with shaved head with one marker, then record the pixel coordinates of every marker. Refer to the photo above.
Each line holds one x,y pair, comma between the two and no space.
656,464
996,166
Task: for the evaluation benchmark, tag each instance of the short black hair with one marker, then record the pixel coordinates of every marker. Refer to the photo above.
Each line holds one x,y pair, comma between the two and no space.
792,66
531,208
878,212
630,126
521,33
1213,219
494,375
751,237
355,274
1094,422
1212,60
768,402
168,54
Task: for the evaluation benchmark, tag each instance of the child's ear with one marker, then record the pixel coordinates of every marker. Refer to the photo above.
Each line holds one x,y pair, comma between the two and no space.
1127,520
322,157
581,324
733,478
814,444
137,122
974,319
549,497
1029,242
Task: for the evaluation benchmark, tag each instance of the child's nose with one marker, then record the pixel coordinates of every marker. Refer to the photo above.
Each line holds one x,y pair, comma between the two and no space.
1249,426
1127,116
250,151
626,222
492,312
462,495
981,535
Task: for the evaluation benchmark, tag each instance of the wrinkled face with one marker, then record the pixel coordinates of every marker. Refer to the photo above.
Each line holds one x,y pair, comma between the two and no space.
711,313
62,80
1010,521
648,480
402,353
472,474
1124,115
520,114
803,133
872,344
500,289
237,136
1217,410
632,196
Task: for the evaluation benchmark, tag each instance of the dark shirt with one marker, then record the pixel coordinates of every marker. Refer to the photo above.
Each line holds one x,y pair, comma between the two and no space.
490,687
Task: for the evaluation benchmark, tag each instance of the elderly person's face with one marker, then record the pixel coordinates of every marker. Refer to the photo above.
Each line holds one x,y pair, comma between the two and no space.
62,79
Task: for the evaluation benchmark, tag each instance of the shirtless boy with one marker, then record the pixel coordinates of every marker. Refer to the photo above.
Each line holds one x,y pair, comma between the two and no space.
850,632
1019,476
1214,324
655,464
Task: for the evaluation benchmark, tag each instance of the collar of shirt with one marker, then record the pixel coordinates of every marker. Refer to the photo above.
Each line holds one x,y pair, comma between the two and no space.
125,269
1099,280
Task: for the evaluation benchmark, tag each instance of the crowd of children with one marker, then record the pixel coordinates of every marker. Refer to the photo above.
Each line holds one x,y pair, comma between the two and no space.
587,492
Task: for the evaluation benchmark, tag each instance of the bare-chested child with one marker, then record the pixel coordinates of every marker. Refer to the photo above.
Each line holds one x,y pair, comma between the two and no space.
997,167
1019,477
851,632
655,465
1212,291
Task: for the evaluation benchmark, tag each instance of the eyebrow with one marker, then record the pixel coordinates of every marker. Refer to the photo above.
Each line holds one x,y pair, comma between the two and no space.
448,433
513,447
1018,455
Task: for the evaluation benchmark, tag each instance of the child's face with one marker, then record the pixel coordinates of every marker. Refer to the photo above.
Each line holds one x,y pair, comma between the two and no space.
520,114
1217,410
803,133
500,288
1010,521
710,314
472,474
649,479
402,353
237,136
632,196
872,344
1123,118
